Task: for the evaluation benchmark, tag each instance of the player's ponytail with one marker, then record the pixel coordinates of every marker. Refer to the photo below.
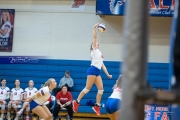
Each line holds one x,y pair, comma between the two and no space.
119,81
47,83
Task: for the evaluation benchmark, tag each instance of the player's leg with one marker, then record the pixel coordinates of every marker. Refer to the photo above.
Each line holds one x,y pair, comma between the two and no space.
25,104
15,106
41,111
3,105
89,82
27,111
9,110
99,85
117,115
47,112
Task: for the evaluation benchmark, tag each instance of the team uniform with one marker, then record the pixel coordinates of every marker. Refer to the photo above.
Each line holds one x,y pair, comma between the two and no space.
45,94
4,93
30,91
96,62
7,25
114,101
17,93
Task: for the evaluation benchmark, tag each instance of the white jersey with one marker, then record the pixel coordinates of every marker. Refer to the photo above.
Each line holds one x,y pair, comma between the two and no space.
30,91
45,94
117,93
4,93
7,25
96,58
17,93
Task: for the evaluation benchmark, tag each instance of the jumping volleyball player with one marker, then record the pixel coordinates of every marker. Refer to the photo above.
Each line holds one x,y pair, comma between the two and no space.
93,75
114,101
39,98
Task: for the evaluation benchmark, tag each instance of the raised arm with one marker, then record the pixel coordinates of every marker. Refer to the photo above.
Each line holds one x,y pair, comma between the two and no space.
105,71
95,35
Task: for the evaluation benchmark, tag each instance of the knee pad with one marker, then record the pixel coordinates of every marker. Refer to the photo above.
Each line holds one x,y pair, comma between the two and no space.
100,92
2,107
9,105
85,90
28,108
26,103
14,105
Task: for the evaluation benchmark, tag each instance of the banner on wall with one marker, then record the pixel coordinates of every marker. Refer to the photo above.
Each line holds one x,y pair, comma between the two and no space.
116,7
78,5
6,29
157,112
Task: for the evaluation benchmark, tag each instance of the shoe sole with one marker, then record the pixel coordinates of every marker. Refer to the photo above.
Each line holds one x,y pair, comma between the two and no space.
73,108
95,111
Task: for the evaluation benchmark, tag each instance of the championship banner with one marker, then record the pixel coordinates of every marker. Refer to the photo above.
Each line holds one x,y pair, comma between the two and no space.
6,29
78,5
116,7
157,112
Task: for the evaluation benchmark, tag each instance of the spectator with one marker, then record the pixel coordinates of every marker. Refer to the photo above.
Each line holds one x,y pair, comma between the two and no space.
15,98
66,80
3,96
64,100
29,91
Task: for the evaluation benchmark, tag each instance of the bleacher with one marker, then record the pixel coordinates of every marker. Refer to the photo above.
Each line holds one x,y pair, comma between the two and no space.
41,71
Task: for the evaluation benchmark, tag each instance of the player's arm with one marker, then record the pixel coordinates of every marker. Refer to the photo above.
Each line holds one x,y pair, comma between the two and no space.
105,71
7,95
25,95
22,95
58,102
11,96
95,35
3,32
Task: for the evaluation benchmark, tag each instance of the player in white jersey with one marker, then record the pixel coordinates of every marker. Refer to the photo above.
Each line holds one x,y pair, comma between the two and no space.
114,101
93,75
39,98
4,95
28,92
15,98
5,24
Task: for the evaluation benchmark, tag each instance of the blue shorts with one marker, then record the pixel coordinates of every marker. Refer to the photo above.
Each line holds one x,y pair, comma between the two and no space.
112,105
33,105
93,71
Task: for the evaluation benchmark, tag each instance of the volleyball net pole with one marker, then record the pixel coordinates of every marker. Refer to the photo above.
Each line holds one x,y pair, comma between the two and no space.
135,94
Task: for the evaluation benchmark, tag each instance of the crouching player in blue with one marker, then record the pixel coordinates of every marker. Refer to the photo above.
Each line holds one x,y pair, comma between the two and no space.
114,101
39,98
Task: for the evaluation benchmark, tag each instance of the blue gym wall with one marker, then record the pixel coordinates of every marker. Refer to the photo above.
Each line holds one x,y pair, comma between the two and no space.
157,76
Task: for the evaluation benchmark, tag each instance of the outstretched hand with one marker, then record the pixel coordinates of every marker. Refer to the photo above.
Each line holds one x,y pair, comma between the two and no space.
109,76
96,25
